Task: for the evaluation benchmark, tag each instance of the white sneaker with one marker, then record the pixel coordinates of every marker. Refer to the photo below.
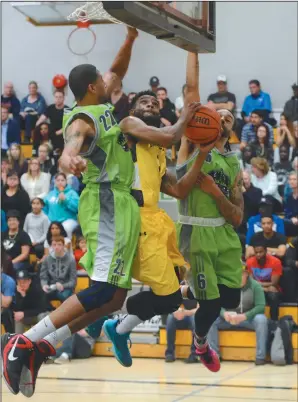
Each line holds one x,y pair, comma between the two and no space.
64,358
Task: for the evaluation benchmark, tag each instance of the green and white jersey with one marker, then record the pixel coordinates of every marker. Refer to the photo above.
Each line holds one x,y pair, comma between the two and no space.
109,157
223,168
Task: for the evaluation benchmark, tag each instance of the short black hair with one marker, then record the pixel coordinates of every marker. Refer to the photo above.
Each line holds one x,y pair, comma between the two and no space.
162,89
139,95
267,215
256,82
259,243
258,112
80,78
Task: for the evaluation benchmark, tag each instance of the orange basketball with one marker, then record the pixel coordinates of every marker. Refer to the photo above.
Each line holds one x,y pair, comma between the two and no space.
204,126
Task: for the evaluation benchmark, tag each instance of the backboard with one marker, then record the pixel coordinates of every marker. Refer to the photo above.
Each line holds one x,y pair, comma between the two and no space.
188,25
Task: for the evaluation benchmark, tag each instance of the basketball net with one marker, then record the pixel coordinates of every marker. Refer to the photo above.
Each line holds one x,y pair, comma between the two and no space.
92,11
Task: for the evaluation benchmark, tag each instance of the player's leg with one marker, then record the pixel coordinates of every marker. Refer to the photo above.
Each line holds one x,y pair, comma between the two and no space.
199,246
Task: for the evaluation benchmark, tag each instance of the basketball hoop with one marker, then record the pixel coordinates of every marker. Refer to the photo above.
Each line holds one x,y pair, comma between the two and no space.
84,36
90,12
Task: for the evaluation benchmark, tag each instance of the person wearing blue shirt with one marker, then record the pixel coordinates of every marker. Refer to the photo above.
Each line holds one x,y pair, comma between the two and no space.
258,100
10,101
8,289
10,131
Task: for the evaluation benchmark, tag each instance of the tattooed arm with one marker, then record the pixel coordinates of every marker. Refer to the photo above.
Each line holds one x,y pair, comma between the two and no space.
78,137
231,209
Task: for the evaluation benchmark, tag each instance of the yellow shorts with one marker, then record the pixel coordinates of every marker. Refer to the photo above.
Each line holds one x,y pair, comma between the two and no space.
157,253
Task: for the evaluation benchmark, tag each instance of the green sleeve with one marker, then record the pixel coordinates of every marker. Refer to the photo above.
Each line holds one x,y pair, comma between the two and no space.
259,300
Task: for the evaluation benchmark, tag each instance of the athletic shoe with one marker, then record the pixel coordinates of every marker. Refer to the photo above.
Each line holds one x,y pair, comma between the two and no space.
169,359
260,362
15,351
191,359
209,358
119,341
41,352
62,359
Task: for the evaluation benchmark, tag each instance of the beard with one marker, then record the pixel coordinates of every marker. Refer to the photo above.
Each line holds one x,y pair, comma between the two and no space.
152,120
225,133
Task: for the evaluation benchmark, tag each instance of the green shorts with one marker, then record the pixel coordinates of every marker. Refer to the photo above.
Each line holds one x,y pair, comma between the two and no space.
214,254
110,222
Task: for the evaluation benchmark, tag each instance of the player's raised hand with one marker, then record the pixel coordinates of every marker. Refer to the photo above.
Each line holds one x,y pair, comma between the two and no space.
189,110
207,147
132,33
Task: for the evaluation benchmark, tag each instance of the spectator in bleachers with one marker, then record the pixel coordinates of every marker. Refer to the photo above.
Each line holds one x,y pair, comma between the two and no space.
179,102
255,225
291,207
276,243
267,270
16,242
47,163
291,261
154,83
17,160
10,131
288,191
32,107
5,167
54,115
35,182
295,131
249,131
261,145
4,226
41,135
81,249
247,154
167,108
72,181
223,99
257,100
37,226
13,196
10,101
61,204
181,319
8,288
266,180
291,106
56,229
130,97
248,315
58,272
120,101
31,304
282,168
283,134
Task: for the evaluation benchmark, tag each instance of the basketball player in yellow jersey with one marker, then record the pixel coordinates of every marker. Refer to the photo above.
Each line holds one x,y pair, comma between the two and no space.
157,253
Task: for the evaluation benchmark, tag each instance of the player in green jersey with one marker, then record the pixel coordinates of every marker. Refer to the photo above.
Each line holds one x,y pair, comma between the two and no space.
108,214
207,218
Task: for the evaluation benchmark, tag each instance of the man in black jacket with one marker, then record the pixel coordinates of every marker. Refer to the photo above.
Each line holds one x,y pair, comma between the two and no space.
167,108
31,304
291,106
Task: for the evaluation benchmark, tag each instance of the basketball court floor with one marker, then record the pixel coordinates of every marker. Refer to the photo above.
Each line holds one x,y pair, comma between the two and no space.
153,380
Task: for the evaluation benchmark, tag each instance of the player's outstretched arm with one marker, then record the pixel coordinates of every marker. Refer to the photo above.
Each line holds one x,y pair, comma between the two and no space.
231,209
192,78
78,137
165,136
120,65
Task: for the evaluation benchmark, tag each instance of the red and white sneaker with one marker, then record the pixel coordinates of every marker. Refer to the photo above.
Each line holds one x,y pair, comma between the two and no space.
41,352
16,350
208,357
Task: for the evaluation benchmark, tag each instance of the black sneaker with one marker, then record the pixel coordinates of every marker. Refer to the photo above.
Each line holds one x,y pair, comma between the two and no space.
260,362
170,359
16,350
191,359
42,351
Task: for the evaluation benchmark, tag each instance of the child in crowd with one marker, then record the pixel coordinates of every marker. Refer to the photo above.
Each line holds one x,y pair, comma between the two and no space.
80,250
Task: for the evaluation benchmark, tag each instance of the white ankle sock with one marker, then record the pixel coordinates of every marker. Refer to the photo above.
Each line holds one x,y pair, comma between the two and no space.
128,324
40,330
58,336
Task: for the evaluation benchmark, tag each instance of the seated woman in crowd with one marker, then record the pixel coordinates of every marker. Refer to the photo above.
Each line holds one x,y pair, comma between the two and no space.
282,168
47,163
266,180
16,242
61,204
81,249
17,160
56,229
247,154
283,134
13,196
41,135
288,190
291,207
32,107
37,226
72,181
35,182
262,146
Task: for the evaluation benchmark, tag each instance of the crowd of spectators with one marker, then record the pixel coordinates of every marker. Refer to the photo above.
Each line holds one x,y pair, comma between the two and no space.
39,206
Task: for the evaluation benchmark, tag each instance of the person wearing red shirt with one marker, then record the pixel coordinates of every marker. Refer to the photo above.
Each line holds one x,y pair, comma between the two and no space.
267,270
80,250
